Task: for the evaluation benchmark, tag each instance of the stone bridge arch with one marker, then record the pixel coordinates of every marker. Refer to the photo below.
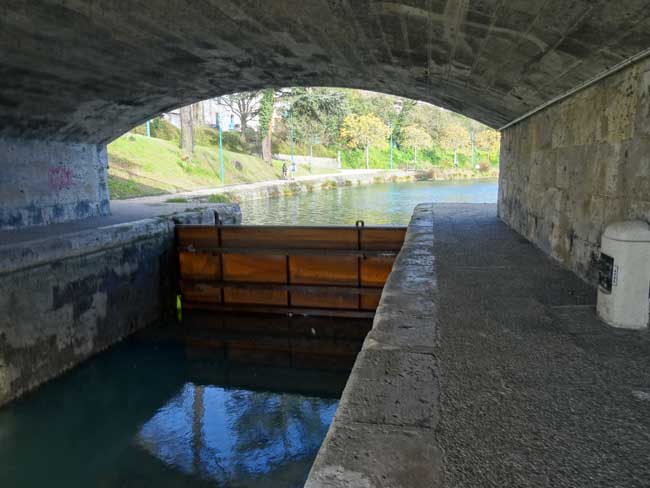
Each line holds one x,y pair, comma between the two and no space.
76,74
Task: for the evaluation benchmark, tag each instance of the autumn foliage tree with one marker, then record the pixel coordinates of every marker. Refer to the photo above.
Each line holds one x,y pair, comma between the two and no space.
363,131
417,138
488,141
455,138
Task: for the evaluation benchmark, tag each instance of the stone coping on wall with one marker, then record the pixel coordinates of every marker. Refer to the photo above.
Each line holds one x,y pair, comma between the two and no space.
25,255
383,433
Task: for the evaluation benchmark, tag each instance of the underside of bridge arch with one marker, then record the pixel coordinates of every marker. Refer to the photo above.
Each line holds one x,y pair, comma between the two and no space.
81,71
76,74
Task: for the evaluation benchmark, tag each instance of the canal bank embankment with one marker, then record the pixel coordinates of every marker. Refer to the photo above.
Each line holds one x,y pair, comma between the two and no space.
70,296
313,183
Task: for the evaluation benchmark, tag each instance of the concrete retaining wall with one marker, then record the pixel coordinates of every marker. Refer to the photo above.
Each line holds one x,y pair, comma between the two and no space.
66,298
328,163
579,165
384,430
49,182
280,188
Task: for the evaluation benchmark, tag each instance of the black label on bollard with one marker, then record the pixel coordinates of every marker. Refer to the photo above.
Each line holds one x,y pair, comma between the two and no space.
606,273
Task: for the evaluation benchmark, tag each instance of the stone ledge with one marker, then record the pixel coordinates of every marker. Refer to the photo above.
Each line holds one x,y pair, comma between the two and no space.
19,257
383,434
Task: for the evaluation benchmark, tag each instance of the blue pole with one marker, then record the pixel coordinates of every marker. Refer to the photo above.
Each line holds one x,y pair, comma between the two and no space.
293,163
311,151
222,173
148,128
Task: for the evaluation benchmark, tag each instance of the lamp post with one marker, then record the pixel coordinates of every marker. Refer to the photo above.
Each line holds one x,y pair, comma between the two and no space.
222,171
391,146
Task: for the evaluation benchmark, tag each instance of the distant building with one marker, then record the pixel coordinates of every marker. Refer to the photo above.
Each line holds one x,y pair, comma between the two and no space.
210,110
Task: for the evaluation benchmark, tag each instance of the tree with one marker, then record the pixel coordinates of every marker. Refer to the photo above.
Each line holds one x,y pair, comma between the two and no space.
454,137
317,111
267,109
393,111
246,106
362,131
489,141
197,114
187,130
417,138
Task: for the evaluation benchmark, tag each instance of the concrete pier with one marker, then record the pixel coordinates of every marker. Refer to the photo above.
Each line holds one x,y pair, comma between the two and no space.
47,182
487,367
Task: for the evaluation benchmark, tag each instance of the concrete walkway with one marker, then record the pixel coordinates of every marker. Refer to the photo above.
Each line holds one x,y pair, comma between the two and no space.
122,211
535,390
487,367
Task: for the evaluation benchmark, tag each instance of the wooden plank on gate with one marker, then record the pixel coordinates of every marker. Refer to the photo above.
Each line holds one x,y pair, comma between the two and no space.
331,300
238,296
383,239
294,252
289,237
205,293
370,302
309,289
203,267
324,270
197,237
255,269
375,271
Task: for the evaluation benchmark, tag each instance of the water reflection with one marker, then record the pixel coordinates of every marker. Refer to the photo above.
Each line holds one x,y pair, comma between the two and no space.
169,408
239,437
389,203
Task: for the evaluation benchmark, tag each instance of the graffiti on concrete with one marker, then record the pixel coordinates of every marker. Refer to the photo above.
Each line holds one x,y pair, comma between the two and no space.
59,178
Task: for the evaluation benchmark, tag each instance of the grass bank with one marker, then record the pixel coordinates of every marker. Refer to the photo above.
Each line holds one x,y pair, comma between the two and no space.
145,166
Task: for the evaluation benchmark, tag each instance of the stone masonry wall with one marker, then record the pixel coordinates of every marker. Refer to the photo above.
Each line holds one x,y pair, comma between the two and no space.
49,182
66,298
569,171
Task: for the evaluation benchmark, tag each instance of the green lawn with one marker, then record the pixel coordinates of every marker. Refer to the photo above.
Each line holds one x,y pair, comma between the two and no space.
143,166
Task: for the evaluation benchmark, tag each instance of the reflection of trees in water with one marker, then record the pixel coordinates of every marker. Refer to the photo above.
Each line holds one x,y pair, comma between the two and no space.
264,420
239,437
282,431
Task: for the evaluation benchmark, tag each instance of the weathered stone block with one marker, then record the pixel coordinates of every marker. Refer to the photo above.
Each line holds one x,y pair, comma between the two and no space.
373,456
66,298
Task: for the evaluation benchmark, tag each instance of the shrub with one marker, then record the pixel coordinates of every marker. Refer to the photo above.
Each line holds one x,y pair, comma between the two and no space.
218,198
160,129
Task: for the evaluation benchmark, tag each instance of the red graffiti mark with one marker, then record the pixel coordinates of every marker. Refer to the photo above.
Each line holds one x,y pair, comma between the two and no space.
59,178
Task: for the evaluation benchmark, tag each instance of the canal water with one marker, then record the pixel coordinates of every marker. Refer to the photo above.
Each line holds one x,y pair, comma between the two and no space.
212,403
187,406
387,203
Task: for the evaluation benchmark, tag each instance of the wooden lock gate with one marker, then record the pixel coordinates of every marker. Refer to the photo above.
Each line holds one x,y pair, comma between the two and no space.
326,271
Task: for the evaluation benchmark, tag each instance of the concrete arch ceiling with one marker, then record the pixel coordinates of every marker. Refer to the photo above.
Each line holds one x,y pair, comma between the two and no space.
87,71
